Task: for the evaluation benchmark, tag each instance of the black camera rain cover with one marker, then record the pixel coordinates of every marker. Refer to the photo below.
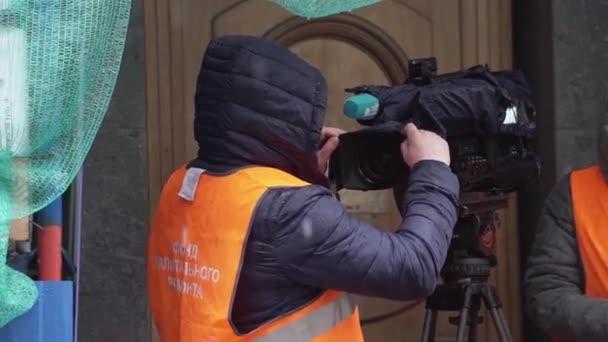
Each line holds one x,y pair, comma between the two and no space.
470,102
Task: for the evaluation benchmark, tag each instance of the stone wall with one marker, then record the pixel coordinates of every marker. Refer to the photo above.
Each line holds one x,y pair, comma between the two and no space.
113,297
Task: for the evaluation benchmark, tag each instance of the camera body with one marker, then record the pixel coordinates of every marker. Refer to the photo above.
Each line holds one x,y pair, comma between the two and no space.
489,123
487,119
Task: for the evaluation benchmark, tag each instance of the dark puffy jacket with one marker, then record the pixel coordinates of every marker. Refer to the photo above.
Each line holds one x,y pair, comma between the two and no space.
554,280
258,104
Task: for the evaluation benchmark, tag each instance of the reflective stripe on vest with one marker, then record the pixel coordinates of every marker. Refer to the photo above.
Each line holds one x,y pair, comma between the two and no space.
315,323
590,213
195,249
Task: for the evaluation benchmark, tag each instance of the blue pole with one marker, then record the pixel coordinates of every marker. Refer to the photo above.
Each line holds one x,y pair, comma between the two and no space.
77,236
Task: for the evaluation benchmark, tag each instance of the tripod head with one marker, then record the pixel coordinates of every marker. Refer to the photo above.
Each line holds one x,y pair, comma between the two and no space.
472,252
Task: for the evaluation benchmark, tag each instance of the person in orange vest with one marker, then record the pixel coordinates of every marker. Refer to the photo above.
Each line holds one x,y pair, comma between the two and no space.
249,244
566,279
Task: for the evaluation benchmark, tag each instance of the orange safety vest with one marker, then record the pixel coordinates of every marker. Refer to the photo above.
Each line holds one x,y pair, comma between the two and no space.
590,212
195,251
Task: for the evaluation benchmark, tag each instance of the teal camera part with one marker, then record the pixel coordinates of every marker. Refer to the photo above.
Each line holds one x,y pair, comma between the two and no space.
361,107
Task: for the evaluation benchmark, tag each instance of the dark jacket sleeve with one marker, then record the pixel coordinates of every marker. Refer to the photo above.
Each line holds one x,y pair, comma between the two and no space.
318,243
554,280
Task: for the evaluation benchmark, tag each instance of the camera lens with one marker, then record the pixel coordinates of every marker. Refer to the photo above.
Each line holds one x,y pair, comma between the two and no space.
370,160
380,162
377,166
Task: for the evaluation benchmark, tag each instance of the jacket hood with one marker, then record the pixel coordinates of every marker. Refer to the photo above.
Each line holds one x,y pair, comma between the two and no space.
257,103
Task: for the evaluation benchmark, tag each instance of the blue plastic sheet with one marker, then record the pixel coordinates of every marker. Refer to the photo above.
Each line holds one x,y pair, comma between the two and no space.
51,319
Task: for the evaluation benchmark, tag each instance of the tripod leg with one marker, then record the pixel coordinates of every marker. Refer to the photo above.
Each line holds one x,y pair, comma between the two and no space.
462,324
494,306
501,325
428,329
473,323
464,315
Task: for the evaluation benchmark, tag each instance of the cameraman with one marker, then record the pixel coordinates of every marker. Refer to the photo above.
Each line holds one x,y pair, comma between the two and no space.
268,251
566,280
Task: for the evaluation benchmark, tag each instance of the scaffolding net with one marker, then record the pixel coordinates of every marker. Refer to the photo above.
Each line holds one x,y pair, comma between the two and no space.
322,8
59,60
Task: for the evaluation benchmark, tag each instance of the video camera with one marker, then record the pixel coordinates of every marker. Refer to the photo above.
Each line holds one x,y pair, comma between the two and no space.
489,123
487,119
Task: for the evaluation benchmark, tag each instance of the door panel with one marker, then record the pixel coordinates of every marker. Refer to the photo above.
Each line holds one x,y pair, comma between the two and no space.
369,45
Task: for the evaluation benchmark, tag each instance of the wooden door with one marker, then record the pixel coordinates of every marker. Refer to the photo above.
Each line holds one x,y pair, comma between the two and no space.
369,45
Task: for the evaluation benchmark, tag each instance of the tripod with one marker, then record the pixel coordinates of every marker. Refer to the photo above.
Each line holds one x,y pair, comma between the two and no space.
465,289
470,260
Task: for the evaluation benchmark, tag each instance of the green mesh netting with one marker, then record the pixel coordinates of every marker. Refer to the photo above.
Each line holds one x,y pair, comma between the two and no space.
321,8
59,60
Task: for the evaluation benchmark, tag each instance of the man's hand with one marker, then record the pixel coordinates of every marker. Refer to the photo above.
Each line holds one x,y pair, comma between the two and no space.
423,145
328,144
